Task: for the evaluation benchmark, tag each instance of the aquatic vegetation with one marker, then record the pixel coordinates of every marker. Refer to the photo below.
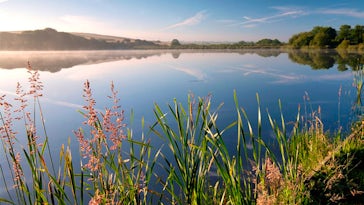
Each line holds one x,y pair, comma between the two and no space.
194,166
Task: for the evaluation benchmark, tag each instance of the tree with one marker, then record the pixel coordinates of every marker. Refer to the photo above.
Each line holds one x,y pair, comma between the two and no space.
301,39
357,34
268,42
344,33
324,37
321,40
344,44
175,42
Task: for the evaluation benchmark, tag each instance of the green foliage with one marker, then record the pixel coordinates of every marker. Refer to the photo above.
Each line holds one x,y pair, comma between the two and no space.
344,33
339,179
300,40
327,37
187,140
301,166
344,44
263,43
268,42
320,37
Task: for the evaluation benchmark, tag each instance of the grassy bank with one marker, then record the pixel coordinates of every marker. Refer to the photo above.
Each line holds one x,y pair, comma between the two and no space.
304,165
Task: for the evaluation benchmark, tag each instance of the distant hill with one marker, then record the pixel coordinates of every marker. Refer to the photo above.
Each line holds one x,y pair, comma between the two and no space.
50,39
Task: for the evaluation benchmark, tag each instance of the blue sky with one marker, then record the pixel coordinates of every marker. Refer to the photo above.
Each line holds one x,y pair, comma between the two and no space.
194,20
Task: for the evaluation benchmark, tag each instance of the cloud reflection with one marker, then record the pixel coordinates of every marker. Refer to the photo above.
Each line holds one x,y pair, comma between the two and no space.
282,78
198,74
52,101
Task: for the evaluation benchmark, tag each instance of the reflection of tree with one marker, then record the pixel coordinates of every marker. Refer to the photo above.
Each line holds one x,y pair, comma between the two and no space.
322,61
176,54
57,60
315,59
262,52
54,61
325,60
358,83
349,60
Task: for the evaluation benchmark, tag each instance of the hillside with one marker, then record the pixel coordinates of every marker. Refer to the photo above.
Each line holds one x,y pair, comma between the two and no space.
50,39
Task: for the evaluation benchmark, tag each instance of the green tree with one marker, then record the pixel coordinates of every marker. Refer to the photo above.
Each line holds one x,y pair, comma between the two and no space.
343,33
175,42
357,34
301,39
321,37
324,37
344,44
268,42
320,40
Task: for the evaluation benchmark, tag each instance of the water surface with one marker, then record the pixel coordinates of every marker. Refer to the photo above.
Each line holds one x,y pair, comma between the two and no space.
311,81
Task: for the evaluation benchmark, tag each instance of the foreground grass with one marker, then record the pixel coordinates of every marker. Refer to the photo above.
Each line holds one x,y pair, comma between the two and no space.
195,166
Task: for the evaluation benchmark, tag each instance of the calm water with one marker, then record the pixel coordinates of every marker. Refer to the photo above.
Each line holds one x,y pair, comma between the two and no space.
147,77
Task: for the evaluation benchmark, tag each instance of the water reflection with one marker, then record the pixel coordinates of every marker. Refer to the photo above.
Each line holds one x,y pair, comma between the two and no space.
327,59
169,73
54,61
358,81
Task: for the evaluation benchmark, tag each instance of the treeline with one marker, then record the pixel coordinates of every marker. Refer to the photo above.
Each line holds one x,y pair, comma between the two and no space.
327,37
263,43
50,39
347,37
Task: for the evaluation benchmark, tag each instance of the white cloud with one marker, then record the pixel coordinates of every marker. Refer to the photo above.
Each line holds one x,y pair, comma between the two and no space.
269,18
194,20
2,1
345,12
284,12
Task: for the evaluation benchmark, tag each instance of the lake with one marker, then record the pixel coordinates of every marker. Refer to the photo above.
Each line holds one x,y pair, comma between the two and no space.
313,81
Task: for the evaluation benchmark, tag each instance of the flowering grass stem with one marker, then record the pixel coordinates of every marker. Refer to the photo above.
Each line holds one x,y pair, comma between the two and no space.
194,166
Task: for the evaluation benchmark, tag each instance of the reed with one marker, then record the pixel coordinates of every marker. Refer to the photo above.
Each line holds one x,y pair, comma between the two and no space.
109,174
187,140
33,181
113,174
194,166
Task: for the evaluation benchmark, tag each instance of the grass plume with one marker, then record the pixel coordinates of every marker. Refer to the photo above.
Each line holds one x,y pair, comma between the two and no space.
194,166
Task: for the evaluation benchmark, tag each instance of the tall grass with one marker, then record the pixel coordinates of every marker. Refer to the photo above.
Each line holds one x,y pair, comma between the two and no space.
44,184
114,175
194,166
187,139
109,174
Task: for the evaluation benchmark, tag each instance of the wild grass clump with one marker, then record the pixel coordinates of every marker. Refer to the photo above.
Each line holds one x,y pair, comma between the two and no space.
115,168
36,182
109,173
304,165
